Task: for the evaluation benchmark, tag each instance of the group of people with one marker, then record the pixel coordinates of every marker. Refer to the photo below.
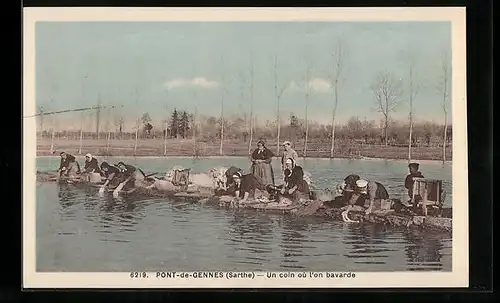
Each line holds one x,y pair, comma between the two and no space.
358,191
243,186
261,177
119,176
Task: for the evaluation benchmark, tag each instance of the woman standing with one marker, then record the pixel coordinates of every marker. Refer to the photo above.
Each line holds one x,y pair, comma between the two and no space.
262,167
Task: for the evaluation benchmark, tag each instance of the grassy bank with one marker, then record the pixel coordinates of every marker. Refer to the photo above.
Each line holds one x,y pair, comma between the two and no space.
155,147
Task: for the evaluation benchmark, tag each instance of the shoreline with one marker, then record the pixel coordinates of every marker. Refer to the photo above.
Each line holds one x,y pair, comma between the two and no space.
425,161
152,148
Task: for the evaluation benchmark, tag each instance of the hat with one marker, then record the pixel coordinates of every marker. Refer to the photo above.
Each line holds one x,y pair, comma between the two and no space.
413,164
237,174
104,164
361,183
287,143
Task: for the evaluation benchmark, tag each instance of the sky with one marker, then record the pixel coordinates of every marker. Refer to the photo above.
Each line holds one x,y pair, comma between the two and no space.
155,67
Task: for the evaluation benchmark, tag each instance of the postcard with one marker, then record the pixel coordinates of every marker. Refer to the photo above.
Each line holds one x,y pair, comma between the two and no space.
244,148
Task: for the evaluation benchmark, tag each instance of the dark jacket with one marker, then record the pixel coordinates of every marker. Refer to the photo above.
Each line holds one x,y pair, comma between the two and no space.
296,178
65,163
91,166
409,182
113,174
229,174
249,183
266,154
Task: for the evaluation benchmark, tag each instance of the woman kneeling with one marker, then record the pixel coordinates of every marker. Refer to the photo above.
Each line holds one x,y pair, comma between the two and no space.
295,187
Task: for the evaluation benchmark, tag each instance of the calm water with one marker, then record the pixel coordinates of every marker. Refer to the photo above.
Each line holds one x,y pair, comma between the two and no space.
79,231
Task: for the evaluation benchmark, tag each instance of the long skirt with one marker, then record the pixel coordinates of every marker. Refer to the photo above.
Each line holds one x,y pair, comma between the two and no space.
263,172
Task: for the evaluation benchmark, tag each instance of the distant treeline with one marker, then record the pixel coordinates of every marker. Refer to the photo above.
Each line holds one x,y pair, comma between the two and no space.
182,125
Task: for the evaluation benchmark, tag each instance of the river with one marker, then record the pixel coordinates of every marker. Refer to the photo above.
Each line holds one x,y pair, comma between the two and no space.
78,231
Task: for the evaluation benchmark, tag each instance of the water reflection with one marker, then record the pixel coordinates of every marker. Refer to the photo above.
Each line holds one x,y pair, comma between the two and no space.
423,250
368,243
293,243
251,234
77,230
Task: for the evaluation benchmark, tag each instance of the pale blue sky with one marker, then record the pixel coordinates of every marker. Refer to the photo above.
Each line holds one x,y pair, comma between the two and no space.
121,57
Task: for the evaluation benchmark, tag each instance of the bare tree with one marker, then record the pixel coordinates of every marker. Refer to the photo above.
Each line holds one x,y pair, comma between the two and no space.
193,124
308,92
108,130
279,92
413,89
338,55
98,115
41,112
81,115
165,129
387,91
251,105
81,134
137,121
222,111
443,87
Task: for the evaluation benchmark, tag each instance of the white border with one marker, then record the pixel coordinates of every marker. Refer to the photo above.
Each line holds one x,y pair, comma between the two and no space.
457,278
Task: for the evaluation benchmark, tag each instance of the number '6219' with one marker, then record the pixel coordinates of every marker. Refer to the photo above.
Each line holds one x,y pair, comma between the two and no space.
136,274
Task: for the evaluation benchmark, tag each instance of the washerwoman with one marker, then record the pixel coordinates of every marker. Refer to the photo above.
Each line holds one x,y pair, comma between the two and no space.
262,167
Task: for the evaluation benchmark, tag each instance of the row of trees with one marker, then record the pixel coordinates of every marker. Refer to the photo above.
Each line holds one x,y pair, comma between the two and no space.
181,125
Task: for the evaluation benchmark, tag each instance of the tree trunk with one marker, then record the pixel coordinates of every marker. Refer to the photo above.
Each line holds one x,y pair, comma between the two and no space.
307,127
222,127
52,142
332,148
81,135
333,137
445,135
410,139
108,141
195,153
386,122
279,133
250,142
136,138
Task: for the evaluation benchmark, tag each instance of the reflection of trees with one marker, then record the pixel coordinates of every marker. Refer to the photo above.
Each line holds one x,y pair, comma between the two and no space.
423,248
